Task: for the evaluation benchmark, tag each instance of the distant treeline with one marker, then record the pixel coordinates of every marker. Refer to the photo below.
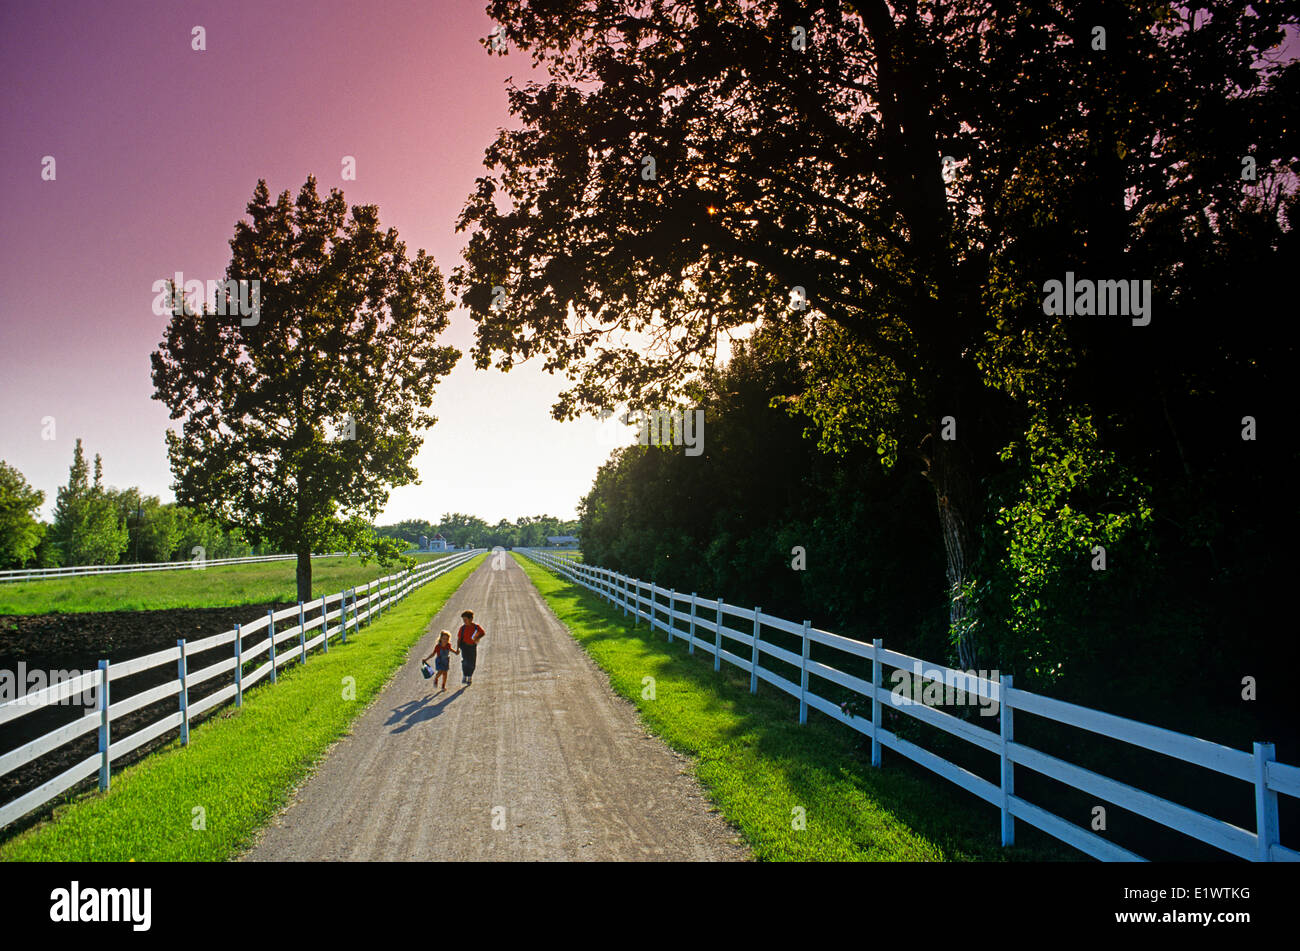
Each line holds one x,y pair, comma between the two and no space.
461,530
96,524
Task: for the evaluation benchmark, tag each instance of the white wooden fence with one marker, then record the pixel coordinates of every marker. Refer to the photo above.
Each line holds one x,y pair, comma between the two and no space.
670,611
351,608
77,571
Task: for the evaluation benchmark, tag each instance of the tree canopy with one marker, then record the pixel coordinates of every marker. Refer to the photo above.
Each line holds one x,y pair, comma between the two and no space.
296,425
890,189
86,529
20,530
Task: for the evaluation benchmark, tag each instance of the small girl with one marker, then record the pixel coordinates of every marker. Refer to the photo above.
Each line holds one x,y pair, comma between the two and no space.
442,652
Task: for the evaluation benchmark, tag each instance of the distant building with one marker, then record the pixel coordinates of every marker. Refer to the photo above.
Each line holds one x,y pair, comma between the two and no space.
561,541
438,543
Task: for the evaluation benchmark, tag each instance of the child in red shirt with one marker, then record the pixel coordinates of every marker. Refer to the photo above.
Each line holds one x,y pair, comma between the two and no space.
469,635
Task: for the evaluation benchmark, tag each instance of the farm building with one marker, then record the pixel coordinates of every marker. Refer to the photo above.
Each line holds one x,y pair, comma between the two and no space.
436,543
561,541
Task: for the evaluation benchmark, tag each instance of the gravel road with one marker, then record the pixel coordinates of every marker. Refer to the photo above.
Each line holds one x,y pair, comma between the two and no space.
538,759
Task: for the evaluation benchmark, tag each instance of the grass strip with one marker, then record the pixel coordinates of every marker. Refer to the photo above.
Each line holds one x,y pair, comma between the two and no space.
765,772
204,802
216,586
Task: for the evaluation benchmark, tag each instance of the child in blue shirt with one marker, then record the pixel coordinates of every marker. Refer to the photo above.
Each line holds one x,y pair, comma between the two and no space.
442,652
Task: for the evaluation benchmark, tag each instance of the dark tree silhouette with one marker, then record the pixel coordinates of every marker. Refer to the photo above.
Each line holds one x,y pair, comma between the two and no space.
296,425
915,172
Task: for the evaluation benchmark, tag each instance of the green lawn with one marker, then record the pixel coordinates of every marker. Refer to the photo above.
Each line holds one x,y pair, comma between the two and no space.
212,587
761,767
242,762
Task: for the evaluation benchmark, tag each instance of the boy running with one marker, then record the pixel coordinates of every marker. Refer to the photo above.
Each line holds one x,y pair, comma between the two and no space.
468,637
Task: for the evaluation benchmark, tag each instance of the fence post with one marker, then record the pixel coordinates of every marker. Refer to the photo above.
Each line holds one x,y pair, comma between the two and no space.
343,604
690,636
624,598
717,637
803,676
875,702
103,726
270,638
182,674
753,657
324,624
239,667
652,606
1006,736
1266,822
672,599
302,634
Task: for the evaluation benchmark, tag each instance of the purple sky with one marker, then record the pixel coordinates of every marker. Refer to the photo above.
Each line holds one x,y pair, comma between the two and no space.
158,148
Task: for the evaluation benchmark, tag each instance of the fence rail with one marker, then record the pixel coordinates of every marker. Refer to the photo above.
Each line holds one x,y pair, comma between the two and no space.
678,615
77,571
351,608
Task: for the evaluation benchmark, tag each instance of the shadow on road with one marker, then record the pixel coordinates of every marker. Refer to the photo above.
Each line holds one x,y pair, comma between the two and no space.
419,711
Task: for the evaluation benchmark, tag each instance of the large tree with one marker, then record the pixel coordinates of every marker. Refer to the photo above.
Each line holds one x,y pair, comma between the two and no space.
299,421
891,184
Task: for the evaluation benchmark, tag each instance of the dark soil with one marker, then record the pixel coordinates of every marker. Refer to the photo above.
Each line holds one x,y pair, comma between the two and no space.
78,642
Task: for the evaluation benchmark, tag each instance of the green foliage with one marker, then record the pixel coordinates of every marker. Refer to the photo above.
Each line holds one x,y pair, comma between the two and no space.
88,529
727,522
47,554
20,531
408,531
1070,495
194,530
299,422
360,536
460,530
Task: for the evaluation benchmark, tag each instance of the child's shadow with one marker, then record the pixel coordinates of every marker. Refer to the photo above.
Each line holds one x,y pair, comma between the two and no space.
418,711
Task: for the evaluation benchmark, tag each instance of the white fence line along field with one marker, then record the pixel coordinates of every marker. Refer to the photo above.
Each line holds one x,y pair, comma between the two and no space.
377,596
1259,768
77,571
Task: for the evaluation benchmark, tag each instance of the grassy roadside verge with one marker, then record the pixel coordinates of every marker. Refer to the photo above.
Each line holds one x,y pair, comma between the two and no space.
217,586
241,763
760,766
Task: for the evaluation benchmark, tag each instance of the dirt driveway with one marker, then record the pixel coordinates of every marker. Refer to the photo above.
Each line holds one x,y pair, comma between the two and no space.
537,760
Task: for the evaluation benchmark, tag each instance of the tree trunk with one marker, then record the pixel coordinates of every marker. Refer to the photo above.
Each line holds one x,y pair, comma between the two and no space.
948,471
304,574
